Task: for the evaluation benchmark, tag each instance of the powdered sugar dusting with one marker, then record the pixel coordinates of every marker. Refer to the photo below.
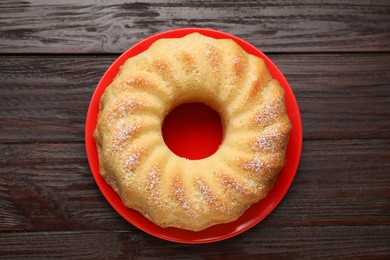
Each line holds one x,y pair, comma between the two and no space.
112,183
160,64
178,192
268,141
268,113
140,82
132,161
257,166
212,54
122,109
164,67
232,185
238,67
125,133
189,60
153,187
206,191
212,200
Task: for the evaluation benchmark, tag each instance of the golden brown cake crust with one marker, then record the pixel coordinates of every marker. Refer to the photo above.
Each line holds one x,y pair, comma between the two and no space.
192,194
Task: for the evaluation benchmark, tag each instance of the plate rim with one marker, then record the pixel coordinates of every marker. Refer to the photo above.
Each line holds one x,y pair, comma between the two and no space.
109,193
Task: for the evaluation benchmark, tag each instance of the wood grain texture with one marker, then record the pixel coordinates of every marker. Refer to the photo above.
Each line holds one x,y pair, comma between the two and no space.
336,56
50,187
273,26
45,98
258,243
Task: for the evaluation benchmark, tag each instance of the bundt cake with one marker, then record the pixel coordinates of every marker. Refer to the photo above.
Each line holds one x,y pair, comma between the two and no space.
173,191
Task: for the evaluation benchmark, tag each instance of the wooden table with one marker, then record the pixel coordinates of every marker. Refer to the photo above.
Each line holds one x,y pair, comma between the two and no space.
335,54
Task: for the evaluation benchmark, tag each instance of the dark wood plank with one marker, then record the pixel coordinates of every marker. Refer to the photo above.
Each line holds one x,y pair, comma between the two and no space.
335,242
335,55
273,26
45,98
50,187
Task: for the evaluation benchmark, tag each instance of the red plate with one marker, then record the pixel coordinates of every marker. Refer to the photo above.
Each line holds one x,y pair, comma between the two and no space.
254,214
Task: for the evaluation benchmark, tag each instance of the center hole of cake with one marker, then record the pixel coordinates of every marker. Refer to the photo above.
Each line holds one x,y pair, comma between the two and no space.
193,131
